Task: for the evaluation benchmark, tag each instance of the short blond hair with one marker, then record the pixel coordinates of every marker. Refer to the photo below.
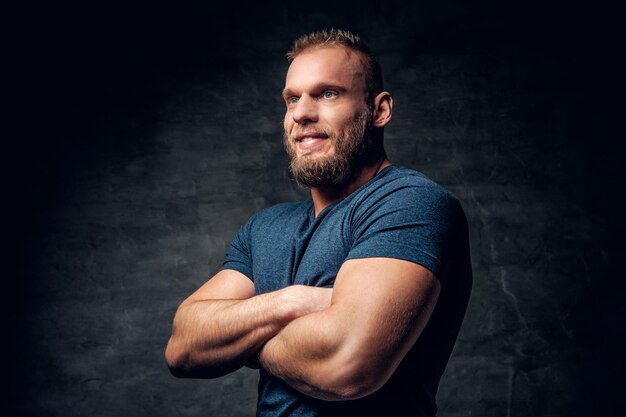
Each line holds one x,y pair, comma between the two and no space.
331,37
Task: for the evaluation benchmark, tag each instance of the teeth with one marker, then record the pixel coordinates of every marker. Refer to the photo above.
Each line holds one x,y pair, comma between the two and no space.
309,139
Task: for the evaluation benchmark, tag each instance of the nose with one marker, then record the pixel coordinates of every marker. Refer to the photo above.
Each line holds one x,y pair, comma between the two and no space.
305,111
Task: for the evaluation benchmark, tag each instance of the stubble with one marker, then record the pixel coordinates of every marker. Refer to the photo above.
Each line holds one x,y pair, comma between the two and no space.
351,148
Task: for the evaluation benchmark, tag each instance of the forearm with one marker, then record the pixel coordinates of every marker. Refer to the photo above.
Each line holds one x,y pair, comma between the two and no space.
379,308
213,337
315,355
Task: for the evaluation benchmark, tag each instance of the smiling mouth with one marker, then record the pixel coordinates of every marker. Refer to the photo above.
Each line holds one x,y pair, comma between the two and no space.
307,142
310,136
310,139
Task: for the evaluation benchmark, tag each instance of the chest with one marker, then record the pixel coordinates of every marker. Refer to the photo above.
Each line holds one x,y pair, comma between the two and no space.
300,250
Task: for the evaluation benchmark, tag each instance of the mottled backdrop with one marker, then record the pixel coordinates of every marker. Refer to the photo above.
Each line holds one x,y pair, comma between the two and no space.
146,136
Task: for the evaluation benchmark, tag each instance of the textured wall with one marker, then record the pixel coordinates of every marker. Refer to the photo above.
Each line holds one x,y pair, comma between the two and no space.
149,136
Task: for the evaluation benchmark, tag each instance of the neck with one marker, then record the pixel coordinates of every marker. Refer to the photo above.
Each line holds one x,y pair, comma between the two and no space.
325,196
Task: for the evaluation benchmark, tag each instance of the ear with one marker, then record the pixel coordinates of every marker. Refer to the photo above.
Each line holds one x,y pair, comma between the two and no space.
383,104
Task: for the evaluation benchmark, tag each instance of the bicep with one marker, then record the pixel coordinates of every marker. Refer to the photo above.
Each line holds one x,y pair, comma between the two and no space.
383,305
227,284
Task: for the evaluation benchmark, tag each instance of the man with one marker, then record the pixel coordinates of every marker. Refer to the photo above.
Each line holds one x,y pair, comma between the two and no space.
349,302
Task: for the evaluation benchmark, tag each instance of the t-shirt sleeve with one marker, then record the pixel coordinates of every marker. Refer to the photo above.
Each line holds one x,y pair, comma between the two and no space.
421,224
239,257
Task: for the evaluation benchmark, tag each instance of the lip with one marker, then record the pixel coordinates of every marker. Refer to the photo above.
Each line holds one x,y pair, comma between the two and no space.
308,141
312,135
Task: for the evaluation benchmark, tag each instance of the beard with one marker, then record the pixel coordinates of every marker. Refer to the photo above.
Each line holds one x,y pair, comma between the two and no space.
353,148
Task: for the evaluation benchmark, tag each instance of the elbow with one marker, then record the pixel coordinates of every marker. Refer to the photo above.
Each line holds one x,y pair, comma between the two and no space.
179,362
358,385
351,381
177,359
182,363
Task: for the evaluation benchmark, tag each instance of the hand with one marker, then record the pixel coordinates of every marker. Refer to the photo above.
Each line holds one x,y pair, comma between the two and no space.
300,300
304,299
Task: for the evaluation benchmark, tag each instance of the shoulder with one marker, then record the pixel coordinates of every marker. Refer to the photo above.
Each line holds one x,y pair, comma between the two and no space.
397,187
405,215
400,177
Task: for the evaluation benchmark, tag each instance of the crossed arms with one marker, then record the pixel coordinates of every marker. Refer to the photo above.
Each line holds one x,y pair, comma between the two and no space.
332,344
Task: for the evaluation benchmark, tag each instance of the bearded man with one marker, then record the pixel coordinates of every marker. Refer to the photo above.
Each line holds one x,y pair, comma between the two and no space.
348,303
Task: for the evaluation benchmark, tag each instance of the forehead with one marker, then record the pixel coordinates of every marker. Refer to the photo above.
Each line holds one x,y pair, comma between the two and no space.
326,65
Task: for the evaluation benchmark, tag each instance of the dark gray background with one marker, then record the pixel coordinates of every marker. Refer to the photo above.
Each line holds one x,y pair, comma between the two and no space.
146,136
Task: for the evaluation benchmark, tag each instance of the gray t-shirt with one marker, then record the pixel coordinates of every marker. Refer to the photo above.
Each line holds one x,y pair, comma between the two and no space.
401,214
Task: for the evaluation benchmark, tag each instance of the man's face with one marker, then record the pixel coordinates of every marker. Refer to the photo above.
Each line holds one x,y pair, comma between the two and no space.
327,123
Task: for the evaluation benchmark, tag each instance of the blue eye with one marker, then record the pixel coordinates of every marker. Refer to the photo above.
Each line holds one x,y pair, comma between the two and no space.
329,94
292,100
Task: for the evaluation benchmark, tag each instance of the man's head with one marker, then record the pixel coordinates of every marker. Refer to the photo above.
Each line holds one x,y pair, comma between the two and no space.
336,108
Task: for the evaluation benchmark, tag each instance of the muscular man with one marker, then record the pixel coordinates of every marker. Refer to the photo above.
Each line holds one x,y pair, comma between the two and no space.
350,302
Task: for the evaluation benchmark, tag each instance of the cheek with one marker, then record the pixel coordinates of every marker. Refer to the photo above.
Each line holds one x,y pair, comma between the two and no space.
286,121
339,119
